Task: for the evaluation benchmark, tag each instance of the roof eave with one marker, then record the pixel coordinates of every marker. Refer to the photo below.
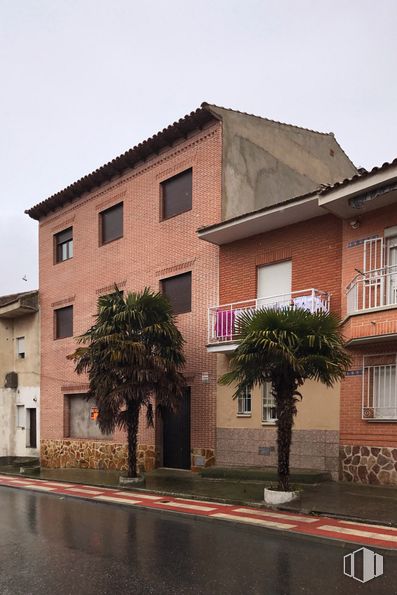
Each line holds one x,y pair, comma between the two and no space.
181,129
265,220
340,199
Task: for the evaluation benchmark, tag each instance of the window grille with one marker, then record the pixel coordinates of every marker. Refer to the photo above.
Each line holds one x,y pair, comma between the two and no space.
379,387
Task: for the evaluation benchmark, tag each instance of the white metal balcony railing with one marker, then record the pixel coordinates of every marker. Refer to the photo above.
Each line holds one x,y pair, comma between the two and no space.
223,320
373,289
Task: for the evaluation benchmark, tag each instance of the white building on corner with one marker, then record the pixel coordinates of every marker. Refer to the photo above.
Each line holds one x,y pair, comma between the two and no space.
19,375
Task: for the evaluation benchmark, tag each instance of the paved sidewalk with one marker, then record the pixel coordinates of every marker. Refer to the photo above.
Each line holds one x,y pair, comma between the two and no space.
376,504
323,527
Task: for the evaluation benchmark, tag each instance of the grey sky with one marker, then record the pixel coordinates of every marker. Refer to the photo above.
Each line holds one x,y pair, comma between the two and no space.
82,81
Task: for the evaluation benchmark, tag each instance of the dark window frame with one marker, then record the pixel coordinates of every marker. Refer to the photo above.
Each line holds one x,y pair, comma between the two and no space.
163,282
101,214
57,334
163,184
58,245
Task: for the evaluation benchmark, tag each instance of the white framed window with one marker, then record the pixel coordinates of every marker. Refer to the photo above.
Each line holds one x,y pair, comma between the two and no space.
274,283
379,387
20,416
244,404
269,415
20,347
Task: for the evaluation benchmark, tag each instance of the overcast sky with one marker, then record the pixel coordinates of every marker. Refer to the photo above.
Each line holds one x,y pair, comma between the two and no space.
84,80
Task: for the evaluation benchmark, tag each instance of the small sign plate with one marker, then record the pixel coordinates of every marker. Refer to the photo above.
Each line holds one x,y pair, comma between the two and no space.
94,413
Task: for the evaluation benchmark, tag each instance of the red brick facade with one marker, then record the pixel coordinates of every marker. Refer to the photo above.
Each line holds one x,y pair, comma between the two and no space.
370,440
149,251
327,253
314,248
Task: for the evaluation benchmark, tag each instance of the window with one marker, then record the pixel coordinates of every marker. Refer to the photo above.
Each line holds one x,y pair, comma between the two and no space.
21,347
244,403
20,416
111,224
179,291
64,322
269,415
176,195
274,285
379,386
83,416
64,245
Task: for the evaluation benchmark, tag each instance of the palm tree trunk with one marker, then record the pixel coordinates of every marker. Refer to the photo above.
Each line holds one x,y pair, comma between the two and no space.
132,437
285,419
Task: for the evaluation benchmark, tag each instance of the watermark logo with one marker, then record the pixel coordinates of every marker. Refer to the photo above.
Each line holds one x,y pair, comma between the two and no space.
363,565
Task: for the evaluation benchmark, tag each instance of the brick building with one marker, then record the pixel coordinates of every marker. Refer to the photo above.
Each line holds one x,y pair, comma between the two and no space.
133,222
367,205
335,248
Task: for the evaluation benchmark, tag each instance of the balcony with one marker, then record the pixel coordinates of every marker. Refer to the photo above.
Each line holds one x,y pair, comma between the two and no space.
372,290
223,321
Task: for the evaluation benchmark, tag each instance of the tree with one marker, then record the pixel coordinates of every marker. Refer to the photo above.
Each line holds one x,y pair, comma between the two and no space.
286,347
133,352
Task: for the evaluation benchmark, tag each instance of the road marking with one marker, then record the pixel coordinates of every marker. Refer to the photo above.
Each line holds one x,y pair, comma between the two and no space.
34,486
94,487
193,500
84,491
189,506
276,515
358,533
242,519
56,484
332,528
360,525
143,496
118,500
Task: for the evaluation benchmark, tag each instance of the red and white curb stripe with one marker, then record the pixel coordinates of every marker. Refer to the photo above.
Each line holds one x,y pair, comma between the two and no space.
375,535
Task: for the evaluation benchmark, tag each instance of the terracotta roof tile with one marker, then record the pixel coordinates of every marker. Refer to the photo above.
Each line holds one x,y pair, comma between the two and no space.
166,137
202,116
363,173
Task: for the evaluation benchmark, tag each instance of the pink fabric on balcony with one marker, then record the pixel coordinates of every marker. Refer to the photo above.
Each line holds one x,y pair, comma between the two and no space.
224,325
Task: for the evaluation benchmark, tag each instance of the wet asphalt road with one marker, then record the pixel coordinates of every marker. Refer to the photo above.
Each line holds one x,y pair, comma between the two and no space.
51,545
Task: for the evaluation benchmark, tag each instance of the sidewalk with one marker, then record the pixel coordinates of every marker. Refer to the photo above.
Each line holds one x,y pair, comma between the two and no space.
376,504
317,527
373,504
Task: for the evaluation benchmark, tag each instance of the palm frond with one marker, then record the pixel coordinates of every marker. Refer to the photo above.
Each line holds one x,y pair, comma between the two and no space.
132,353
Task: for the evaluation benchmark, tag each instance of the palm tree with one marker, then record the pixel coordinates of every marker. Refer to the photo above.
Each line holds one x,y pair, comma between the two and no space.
286,347
132,353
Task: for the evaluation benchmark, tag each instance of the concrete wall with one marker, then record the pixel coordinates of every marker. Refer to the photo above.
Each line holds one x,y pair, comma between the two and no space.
13,438
29,398
266,162
318,409
247,441
7,422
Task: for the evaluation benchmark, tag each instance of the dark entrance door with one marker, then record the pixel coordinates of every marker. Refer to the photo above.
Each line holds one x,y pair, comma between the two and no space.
32,429
176,436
